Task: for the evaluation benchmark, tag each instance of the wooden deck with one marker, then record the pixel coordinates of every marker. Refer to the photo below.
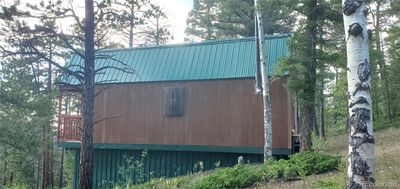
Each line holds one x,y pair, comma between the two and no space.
69,128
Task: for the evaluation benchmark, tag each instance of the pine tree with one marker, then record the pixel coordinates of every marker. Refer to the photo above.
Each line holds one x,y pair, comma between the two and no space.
24,40
306,58
219,19
138,20
156,31
21,132
394,70
379,15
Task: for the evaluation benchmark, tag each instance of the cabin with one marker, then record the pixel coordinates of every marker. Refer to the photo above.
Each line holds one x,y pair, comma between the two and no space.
188,108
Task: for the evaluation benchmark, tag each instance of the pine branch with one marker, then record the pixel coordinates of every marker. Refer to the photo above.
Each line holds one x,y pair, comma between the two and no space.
78,88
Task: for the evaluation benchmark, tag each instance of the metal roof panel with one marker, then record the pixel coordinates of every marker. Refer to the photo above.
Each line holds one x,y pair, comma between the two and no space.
222,59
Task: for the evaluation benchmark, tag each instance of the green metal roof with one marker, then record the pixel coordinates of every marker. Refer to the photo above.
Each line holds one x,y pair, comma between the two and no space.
223,59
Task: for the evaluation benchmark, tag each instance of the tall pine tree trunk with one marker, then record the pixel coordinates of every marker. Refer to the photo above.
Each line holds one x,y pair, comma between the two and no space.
265,87
157,31
308,109
322,113
48,155
86,159
61,181
315,122
131,24
381,61
361,143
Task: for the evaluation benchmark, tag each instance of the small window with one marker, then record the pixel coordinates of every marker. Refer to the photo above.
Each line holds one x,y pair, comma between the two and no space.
173,101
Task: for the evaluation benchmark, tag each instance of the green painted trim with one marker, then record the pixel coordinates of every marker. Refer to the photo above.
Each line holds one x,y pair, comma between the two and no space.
69,145
248,150
76,168
163,147
281,151
285,74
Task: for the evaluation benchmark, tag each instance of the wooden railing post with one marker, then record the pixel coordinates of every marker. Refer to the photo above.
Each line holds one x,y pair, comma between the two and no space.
59,116
70,129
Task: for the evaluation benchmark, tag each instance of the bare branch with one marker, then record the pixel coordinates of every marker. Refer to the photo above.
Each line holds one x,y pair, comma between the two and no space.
48,30
36,52
78,22
105,118
75,65
101,37
110,57
106,81
102,90
62,37
65,70
125,69
7,53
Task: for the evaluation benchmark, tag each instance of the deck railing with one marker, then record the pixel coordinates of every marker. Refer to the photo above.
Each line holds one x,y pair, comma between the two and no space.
69,128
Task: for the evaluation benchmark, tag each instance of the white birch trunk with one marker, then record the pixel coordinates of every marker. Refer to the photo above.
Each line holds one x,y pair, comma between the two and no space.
361,141
265,87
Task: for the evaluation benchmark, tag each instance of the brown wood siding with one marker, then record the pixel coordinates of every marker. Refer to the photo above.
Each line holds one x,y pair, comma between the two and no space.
215,113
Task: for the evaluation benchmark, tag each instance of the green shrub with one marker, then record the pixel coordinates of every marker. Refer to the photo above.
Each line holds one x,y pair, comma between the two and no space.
17,186
238,176
298,165
272,169
312,162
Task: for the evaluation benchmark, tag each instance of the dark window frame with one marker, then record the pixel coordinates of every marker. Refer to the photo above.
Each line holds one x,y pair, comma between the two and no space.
173,101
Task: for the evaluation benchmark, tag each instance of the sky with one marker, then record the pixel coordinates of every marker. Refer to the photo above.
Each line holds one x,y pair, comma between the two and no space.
177,11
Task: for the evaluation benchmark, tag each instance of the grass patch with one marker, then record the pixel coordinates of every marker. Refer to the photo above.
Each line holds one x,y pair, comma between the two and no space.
330,183
296,167
177,182
242,176
239,176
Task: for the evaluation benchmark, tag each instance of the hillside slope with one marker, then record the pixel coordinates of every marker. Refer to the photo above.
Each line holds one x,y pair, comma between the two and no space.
387,159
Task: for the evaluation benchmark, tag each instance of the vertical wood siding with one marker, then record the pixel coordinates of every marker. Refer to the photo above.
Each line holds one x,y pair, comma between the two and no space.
216,113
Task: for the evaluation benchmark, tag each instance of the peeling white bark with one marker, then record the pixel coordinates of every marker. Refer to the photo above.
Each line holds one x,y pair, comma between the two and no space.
361,141
265,87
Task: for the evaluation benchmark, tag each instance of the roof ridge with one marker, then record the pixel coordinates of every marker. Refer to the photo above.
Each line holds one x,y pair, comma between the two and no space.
207,42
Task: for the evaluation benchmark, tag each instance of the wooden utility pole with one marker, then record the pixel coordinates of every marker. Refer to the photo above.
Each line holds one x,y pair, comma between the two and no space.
361,144
265,86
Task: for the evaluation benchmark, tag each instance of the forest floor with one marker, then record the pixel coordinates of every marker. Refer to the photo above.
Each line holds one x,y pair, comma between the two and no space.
387,162
387,165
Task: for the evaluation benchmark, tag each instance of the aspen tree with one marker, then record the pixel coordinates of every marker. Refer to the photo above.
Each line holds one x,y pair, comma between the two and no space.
265,86
361,141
